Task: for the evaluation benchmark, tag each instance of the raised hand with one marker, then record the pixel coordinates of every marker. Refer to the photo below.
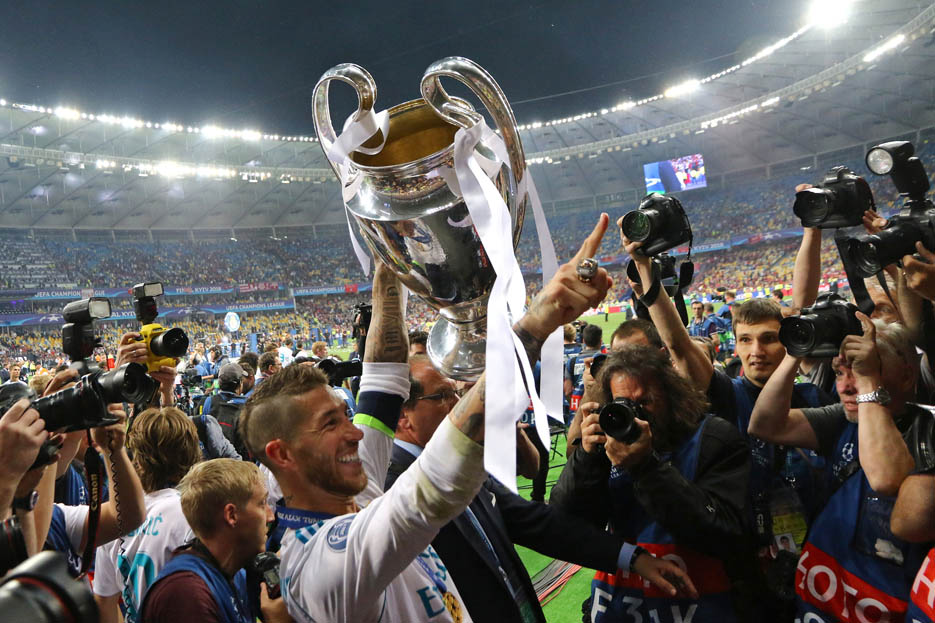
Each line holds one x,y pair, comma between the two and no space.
860,351
566,296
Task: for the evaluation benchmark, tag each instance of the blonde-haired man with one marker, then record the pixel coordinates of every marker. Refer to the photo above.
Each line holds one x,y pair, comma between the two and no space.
224,501
164,443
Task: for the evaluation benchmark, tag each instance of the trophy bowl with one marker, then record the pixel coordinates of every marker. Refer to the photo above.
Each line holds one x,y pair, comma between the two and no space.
407,212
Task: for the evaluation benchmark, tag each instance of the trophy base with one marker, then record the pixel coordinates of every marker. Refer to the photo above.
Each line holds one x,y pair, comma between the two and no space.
458,350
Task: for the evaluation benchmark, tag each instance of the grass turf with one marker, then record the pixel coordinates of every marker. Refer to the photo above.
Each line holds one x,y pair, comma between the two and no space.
565,607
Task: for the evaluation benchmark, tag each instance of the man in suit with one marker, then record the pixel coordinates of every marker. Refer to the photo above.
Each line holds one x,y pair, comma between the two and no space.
477,546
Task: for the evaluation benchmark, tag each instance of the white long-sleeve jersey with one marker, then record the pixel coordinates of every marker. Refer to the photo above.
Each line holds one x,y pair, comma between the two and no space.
364,566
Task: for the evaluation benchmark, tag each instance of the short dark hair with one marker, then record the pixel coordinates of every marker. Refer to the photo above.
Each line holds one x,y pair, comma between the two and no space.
637,325
270,412
709,307
268,359
778,293
591,335
418,337
250,358
756,311
250,370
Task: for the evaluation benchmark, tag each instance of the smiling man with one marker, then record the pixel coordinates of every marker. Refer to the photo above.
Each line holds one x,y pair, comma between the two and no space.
351,552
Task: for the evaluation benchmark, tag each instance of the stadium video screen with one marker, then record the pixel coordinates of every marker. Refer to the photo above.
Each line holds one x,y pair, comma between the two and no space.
669,176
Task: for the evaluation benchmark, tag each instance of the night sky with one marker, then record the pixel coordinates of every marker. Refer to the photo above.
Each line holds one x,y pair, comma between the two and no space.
254,64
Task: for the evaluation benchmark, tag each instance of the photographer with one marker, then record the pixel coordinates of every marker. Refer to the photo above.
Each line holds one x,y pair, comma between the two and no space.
164,444
349,563
125,511
224,502
872,440
225,405
676,486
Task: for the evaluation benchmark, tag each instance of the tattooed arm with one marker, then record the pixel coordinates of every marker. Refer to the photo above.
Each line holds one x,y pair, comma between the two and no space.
387,340
562,300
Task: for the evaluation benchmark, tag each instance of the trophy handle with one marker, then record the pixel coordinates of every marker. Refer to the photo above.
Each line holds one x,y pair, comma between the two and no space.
458,112
361,81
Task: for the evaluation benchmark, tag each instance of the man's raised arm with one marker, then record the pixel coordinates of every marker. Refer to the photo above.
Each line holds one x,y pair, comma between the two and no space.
384,383
689,357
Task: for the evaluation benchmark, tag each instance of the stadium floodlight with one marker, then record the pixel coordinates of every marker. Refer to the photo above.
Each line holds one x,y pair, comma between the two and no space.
883,49
829,13
689,86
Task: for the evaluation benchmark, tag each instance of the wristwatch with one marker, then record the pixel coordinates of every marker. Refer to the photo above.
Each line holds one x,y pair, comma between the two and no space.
879,395
27,502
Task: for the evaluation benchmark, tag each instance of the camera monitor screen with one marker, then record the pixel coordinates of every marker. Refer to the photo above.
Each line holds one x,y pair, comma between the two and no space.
669,176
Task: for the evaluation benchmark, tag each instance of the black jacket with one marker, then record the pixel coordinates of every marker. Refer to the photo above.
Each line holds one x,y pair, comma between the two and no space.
706,514
507,518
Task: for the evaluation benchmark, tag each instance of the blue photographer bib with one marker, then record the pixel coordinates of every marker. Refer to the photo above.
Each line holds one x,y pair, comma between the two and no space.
624,597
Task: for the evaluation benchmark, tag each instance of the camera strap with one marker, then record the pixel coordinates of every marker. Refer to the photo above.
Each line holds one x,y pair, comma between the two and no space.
649,297
94,467
856,282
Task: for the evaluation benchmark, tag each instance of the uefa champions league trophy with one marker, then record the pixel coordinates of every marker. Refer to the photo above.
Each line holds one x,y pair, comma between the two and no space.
406,210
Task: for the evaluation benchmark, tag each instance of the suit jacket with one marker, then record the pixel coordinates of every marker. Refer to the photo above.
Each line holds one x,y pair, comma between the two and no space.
507,518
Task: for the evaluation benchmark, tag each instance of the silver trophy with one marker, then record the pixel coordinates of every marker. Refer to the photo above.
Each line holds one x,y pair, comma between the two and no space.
409,217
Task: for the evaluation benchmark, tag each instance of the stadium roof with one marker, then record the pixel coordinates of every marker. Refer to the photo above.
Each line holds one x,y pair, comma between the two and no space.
823,91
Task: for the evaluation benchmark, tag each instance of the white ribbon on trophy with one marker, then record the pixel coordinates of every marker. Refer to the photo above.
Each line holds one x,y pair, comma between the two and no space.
506,363
351,139
506,395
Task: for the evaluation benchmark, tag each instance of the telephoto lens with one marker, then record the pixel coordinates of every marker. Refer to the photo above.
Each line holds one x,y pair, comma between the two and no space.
618,419
41,591
74,408
170,343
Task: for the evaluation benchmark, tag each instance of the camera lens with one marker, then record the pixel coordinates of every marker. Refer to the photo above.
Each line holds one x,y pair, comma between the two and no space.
864,254
636,225
812,206
41,590
171,343
798,334
128,383
12,545
618,419
72,408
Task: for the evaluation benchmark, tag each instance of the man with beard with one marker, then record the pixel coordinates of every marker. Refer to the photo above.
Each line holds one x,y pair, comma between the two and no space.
353,553
676,487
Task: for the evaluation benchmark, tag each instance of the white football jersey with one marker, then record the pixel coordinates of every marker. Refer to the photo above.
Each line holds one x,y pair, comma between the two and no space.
130,564
377,564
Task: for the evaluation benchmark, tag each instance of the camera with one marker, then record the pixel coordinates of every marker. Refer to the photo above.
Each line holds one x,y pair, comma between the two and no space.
659,222
266,565
40,590
164,345
84,405
191,377
617,419
869,253
840,200
337,371
78,340
819,330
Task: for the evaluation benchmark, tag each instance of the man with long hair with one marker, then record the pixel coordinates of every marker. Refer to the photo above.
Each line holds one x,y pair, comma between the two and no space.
676,488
